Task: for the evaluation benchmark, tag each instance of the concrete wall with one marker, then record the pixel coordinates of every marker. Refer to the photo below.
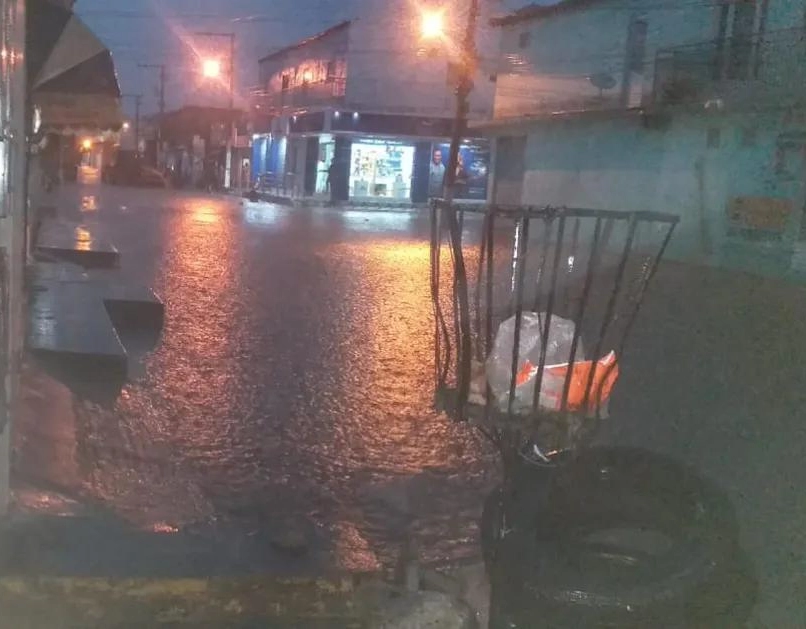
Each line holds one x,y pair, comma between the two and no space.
12,222
691,166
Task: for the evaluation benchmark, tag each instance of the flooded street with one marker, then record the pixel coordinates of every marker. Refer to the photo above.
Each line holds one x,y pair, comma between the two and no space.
292,390
293,378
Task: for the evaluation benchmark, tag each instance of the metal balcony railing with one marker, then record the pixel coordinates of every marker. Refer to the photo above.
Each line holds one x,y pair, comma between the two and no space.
765,66
321,93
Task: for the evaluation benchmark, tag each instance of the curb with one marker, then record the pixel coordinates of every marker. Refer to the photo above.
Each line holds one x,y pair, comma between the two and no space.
225,602
311,204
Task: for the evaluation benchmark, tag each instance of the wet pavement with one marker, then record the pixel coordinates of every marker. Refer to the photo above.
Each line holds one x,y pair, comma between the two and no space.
293,380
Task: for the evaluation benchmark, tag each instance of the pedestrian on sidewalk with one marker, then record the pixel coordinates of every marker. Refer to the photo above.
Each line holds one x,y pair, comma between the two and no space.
331,173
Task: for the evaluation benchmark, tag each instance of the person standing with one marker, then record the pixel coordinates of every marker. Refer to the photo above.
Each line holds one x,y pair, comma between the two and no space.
436,175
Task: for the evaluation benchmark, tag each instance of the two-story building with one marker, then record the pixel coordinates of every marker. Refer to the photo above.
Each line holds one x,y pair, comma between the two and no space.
364,110
690,107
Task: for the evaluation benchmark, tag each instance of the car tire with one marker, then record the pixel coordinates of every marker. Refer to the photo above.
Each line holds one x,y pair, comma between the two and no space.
554,558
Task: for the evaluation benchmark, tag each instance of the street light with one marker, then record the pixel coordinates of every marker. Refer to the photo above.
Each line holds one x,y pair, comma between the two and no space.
126,126
86,144
433,25
211,68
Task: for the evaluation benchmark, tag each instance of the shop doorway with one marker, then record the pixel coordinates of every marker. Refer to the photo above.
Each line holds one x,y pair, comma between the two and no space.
327,151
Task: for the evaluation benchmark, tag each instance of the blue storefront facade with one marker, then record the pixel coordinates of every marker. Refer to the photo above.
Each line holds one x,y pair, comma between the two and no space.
367,157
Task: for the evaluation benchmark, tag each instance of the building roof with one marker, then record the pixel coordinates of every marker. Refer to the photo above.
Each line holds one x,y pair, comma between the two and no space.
305,42
540,11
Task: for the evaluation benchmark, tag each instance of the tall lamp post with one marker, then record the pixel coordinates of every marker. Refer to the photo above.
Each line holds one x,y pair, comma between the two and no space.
138,99
432,29
162,75
211,69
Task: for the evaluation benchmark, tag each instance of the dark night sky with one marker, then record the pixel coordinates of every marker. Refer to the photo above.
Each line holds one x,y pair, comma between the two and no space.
149,31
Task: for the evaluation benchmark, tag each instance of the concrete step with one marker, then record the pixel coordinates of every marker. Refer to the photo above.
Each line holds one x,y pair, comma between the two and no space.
78,315
69,319
75,243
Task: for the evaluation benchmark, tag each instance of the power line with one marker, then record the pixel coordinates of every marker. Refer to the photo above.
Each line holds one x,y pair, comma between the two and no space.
268,18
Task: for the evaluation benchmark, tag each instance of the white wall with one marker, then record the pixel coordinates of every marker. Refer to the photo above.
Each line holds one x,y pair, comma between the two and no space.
619,164
386,73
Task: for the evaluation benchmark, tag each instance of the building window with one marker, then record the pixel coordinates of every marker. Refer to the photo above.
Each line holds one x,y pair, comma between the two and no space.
524,39
331,71
713,138
748,137
286,81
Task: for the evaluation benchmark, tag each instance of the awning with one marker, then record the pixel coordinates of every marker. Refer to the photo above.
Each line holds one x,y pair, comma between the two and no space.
78,114
71,73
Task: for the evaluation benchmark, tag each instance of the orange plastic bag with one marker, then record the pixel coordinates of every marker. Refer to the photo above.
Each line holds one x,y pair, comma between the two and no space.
605,374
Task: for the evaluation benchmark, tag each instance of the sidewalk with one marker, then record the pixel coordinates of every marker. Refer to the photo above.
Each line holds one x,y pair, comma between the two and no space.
313,202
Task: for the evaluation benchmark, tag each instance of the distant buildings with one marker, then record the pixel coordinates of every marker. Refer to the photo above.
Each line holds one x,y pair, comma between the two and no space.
691,107
194,144
363,112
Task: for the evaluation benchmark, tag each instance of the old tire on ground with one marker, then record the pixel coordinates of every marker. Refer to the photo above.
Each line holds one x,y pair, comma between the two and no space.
615,537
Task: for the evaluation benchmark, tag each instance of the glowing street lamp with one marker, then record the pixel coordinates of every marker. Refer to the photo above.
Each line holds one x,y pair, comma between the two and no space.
211,68
86,144
433,25
126,126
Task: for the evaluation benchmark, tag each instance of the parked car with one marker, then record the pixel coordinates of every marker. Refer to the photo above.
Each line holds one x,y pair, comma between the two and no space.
129,170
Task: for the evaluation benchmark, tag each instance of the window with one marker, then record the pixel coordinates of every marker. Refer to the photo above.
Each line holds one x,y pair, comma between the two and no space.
747,136
331,71
741,47
713,138
286,82
524,39
734,38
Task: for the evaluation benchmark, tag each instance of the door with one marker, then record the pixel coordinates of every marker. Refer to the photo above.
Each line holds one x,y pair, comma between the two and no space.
509,170
311,165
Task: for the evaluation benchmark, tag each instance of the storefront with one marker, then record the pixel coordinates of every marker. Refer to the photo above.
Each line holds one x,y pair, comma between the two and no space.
352,156
381,168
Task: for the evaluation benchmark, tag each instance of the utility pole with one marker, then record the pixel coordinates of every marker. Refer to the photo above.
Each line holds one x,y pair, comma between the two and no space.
230,140
162,75
138,99
467,70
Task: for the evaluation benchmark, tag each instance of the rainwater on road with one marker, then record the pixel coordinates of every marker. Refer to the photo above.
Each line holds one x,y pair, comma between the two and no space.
293,380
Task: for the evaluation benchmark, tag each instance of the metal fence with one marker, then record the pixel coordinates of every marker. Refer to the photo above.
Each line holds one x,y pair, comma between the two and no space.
590,268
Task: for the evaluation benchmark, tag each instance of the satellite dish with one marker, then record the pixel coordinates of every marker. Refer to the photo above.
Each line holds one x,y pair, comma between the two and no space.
603,81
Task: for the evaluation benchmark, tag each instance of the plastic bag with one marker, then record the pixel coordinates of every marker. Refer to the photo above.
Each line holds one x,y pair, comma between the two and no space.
558,355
